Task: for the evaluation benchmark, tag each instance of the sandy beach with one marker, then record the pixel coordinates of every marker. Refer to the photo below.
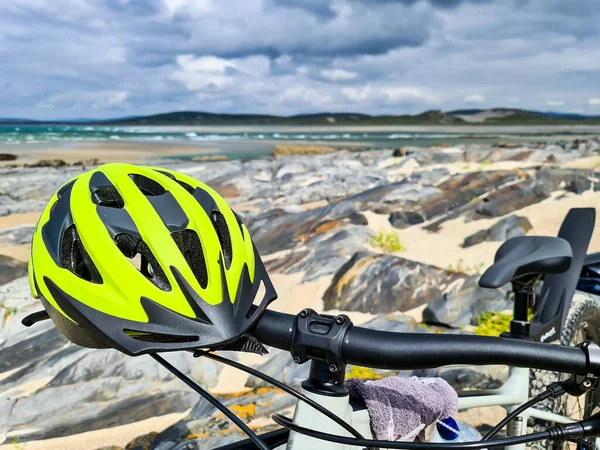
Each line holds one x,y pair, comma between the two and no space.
113,151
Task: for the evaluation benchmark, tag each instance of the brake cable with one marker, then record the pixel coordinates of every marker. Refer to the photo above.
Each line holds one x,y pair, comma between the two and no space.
213,401
288,423
284,387
554,390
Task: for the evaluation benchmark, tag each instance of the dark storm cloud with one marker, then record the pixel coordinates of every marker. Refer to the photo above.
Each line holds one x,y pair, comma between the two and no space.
70,58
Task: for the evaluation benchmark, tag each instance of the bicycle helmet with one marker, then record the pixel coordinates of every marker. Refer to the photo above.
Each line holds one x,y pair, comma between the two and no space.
145,259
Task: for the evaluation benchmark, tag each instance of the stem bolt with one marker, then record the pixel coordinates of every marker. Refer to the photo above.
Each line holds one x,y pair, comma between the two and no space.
339,320
303,313
333,368
297,359
587,383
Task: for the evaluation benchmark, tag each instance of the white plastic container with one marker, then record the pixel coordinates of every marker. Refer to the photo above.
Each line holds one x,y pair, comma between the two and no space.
451,431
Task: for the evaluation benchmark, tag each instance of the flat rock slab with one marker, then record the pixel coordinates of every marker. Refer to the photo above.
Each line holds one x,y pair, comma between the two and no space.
509,227
17,235
376,283
11,269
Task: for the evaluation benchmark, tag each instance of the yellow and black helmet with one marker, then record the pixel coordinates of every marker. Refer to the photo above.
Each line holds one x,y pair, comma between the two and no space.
145,259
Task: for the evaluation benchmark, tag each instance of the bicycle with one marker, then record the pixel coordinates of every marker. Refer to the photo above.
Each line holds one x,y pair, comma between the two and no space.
328,342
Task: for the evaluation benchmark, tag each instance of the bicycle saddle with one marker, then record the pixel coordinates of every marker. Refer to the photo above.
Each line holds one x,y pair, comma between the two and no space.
523,256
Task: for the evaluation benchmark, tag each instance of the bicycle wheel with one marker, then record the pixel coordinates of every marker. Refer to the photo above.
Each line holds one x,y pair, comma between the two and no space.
583,323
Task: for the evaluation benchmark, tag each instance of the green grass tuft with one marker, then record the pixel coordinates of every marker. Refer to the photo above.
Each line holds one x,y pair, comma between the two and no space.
387,241
461,267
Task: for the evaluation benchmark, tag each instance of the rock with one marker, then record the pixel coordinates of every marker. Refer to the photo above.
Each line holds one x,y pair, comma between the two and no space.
510,198
571,180
402,151
87,162
205,427
11,269
18,235
211,158
463,301
468,378
7,157
286,150
475,238
143,442
396,322
281,366
405,219
55,163
290,168
263,175
228,190
375,283
461,191
324,253
429,177
509,227
88,389
274,230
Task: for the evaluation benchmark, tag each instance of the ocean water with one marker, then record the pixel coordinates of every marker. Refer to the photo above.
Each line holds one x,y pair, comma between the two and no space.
257,142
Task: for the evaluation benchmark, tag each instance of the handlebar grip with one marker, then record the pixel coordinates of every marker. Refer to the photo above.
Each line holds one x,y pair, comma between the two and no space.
398,351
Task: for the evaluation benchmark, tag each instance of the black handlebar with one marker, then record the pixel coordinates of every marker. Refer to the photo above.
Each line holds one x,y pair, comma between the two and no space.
398,351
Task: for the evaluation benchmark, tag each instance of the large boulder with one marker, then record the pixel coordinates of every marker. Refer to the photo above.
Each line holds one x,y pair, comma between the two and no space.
511,198
405,219
460,191
277,230
572,180
376,283
323,254
464,301
509,227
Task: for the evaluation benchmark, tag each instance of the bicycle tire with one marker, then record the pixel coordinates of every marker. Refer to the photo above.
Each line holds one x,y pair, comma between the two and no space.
583,322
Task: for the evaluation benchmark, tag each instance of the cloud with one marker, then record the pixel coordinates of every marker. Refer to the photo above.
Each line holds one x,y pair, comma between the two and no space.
357,94
130,57
398,95
338,75
555,102
474,98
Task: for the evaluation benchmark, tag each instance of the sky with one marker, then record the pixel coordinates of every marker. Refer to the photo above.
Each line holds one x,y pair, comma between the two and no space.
67,59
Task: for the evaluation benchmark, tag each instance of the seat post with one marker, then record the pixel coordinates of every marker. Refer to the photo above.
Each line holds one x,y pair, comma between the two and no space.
519,325
524,291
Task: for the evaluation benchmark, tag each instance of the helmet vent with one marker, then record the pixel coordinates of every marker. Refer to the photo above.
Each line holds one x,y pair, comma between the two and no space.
142,258
186,186
189,244
108,196
159,337
224,237
148,186
75,258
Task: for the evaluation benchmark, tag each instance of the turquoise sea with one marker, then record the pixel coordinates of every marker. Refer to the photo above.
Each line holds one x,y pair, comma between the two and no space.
251,143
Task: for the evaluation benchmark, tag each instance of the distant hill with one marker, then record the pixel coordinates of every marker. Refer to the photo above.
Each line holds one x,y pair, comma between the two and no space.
511,116
326,118
10,121
494,116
